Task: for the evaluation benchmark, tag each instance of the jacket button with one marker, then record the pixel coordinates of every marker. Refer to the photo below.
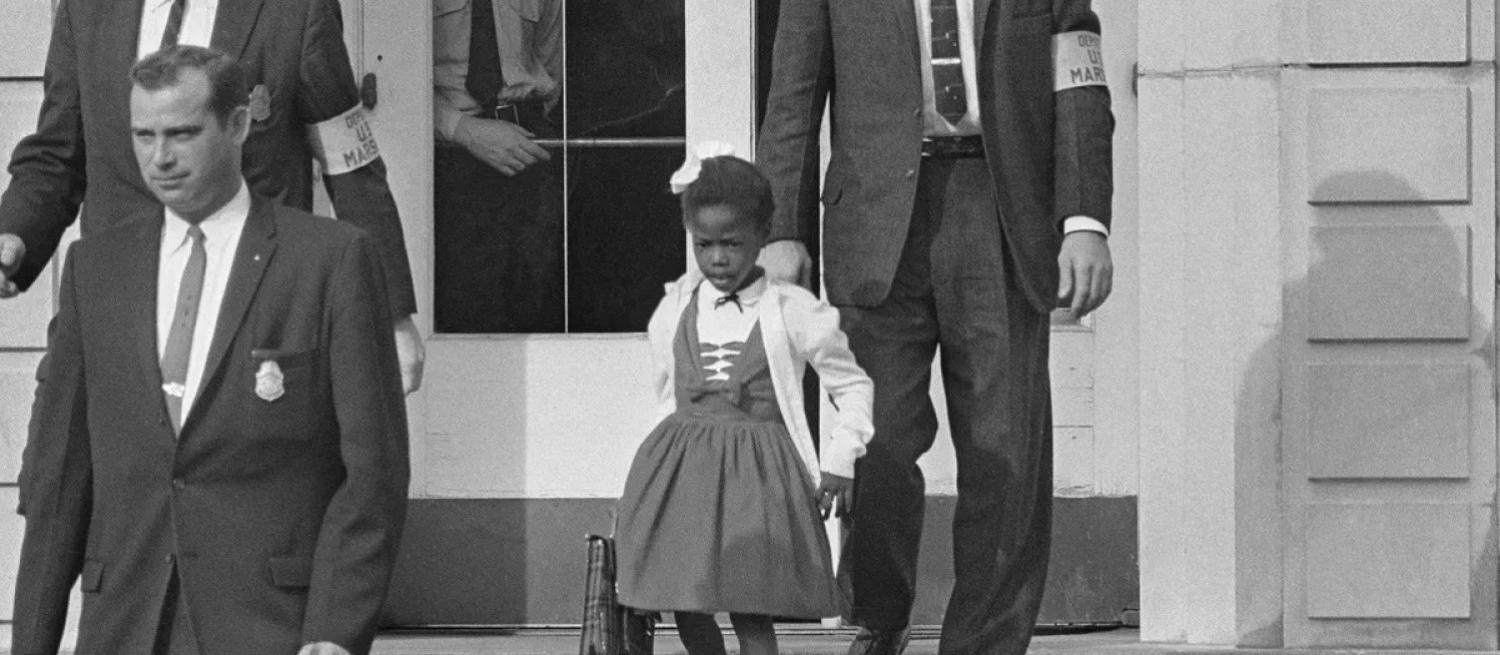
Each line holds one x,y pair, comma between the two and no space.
179,484
911,173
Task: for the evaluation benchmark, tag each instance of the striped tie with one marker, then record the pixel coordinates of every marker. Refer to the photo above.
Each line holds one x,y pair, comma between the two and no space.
174,362
947,62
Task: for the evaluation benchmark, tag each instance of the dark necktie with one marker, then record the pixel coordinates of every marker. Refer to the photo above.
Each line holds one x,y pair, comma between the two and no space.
174,361
174,23
484,80
947,62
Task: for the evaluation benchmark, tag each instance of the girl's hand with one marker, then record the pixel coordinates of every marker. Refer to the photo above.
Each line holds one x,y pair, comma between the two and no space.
835,489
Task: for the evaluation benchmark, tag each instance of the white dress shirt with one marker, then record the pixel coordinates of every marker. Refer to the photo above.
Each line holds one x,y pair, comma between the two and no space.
529,35
968,48
933,123
197,25
221,237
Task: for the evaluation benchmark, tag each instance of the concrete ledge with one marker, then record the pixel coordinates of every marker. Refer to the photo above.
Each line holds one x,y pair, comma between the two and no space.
520,561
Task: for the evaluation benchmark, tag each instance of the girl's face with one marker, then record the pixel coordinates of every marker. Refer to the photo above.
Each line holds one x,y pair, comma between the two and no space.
724,244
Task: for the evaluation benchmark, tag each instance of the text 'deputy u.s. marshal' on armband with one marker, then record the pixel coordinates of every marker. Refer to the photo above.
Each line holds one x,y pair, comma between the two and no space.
345,142
1077,60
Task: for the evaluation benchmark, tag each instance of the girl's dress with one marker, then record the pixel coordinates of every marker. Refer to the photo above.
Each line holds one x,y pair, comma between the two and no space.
718,513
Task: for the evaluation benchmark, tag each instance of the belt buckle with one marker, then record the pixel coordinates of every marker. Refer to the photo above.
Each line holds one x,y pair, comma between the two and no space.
507,112
952,147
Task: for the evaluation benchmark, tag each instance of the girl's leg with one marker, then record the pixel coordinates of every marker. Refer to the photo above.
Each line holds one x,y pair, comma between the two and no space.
700,633
756,632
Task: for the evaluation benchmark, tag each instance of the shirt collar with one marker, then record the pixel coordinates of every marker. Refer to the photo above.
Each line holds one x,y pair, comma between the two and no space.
217,228
156,5
748,295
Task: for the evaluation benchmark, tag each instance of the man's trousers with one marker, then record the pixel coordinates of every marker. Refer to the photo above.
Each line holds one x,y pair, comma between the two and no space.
955,292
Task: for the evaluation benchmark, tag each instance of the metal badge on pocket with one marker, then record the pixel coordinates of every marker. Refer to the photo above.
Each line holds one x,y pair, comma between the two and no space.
269,382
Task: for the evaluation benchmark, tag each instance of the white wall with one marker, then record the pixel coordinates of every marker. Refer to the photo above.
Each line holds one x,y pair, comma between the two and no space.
1210,303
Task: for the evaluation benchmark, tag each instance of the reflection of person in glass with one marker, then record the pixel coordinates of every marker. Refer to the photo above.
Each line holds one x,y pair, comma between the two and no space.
497,73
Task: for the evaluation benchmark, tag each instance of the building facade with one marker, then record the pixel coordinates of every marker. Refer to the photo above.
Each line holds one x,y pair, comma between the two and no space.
1281,430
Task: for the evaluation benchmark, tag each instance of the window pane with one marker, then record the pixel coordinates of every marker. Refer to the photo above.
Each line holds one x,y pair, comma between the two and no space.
572,227
625,238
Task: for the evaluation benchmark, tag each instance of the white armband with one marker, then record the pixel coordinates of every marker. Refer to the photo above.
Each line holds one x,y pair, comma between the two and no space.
345,142
1077,60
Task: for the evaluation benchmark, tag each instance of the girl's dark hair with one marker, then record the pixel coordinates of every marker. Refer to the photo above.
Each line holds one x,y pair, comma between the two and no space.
731,182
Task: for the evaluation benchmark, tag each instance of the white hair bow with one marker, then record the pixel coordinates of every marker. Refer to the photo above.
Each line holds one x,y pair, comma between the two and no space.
694,163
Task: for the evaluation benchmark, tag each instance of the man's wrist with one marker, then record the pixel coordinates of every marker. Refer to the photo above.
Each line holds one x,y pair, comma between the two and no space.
1082,223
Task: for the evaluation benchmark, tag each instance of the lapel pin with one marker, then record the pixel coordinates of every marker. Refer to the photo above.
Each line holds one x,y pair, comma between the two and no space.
260,103
269,383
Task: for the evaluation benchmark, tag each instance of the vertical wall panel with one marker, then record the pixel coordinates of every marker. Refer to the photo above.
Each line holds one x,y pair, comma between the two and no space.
1388,437
1390,421
23,38
1360,137
1389,282
1388,561
1387,31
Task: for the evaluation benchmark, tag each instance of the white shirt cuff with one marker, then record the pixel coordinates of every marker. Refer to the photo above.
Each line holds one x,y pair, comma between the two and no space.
1073,224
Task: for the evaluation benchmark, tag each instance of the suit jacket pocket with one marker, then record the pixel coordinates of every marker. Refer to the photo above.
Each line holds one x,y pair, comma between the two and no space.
91,581
293,572
278,394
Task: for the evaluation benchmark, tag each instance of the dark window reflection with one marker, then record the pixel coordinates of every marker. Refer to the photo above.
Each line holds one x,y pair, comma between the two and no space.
567,225
624,71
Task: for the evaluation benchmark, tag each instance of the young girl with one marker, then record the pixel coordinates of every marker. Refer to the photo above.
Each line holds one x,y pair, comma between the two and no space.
721,508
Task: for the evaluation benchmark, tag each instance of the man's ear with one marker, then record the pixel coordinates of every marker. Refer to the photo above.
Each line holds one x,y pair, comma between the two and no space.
239,124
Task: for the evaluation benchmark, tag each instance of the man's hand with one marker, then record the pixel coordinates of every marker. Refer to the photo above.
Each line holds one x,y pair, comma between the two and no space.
503,145
411,353
787,260
835,494
323,648
12,251
1085,272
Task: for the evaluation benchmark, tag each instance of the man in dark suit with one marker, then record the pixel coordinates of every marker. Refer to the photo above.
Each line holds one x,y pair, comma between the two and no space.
968,193
223,448
304,105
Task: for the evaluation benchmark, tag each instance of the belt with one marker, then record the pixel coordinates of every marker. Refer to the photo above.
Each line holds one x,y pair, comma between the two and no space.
952,147
526,113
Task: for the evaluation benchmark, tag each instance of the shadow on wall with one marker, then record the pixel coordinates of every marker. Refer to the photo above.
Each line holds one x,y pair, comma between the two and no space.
1379,275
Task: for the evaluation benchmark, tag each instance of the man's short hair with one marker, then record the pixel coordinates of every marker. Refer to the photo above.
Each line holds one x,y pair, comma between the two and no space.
226,78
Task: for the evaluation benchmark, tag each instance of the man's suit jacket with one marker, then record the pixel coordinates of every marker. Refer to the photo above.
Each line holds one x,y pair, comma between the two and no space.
1049,153
283,515
81,152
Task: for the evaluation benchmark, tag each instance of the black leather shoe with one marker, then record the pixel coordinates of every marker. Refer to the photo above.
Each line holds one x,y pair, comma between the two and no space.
879,642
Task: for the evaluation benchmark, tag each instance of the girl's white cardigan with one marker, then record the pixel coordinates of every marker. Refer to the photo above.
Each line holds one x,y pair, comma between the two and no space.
798,329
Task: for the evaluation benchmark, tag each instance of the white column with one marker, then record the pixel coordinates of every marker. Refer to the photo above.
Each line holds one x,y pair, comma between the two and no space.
1210,283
